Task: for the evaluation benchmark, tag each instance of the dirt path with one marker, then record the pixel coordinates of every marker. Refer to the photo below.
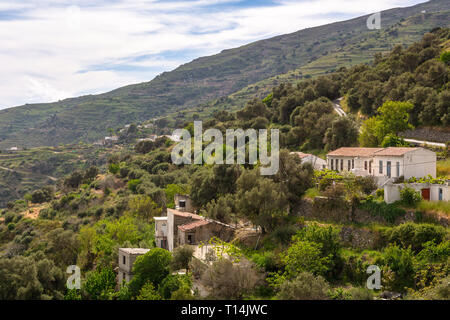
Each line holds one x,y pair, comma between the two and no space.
27,173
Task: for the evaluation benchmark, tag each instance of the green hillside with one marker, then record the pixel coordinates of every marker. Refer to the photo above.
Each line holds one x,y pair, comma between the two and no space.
24,171
239,72
315,229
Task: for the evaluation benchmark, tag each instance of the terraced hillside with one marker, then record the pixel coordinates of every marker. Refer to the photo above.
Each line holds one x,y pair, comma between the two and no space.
27,170
309,52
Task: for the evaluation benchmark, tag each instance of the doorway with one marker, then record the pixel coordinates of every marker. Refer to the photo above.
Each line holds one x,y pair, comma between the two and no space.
426,194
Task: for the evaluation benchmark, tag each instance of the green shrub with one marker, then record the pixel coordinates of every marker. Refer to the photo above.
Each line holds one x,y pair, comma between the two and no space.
283,234
183,293
169,285
100,284
43,195
414,235
434,253
114,168
9,217
361,294
366,184
153,267
410,197
324,184
380,193
389,212
148,292
182,257
305,256
400,272
445,57
268,260
304,287
133,184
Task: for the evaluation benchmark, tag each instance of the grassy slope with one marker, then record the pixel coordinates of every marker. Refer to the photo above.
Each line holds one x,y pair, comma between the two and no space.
311,51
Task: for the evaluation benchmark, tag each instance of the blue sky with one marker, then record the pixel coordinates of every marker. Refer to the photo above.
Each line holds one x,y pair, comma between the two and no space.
51,50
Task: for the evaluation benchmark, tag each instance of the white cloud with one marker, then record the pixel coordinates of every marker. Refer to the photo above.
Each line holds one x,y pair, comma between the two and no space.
50,55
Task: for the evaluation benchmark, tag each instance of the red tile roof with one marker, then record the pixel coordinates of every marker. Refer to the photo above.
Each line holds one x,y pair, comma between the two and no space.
355,152
392,151
193,225
301,155
185,214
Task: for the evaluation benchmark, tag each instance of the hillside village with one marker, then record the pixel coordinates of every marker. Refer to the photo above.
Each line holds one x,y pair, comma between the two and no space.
183,226
351,193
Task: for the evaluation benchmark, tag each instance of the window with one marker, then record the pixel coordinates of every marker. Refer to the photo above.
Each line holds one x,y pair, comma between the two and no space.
342,164
388,168
440,194
398,169
381,167
337,164
353,163
349,165
182,203
332,164
190,239
365,165
124,260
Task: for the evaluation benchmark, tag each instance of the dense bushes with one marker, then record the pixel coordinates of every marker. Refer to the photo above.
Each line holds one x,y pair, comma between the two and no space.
410,197
228,281
414,235
304,287
30,278
152,267
43,195
399,271
389,212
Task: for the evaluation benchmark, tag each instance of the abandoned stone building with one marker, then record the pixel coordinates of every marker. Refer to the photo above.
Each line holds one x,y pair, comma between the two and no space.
180,228
183,203
127,257
177,228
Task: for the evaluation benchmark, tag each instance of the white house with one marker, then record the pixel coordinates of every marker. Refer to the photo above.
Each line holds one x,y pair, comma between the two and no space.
384,162
429,191
356,160
316,162
405,162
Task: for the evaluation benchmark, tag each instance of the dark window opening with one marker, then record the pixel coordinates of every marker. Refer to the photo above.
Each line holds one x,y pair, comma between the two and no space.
388,168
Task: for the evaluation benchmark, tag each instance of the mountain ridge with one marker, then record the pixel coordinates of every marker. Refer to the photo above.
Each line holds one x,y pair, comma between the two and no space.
198,82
